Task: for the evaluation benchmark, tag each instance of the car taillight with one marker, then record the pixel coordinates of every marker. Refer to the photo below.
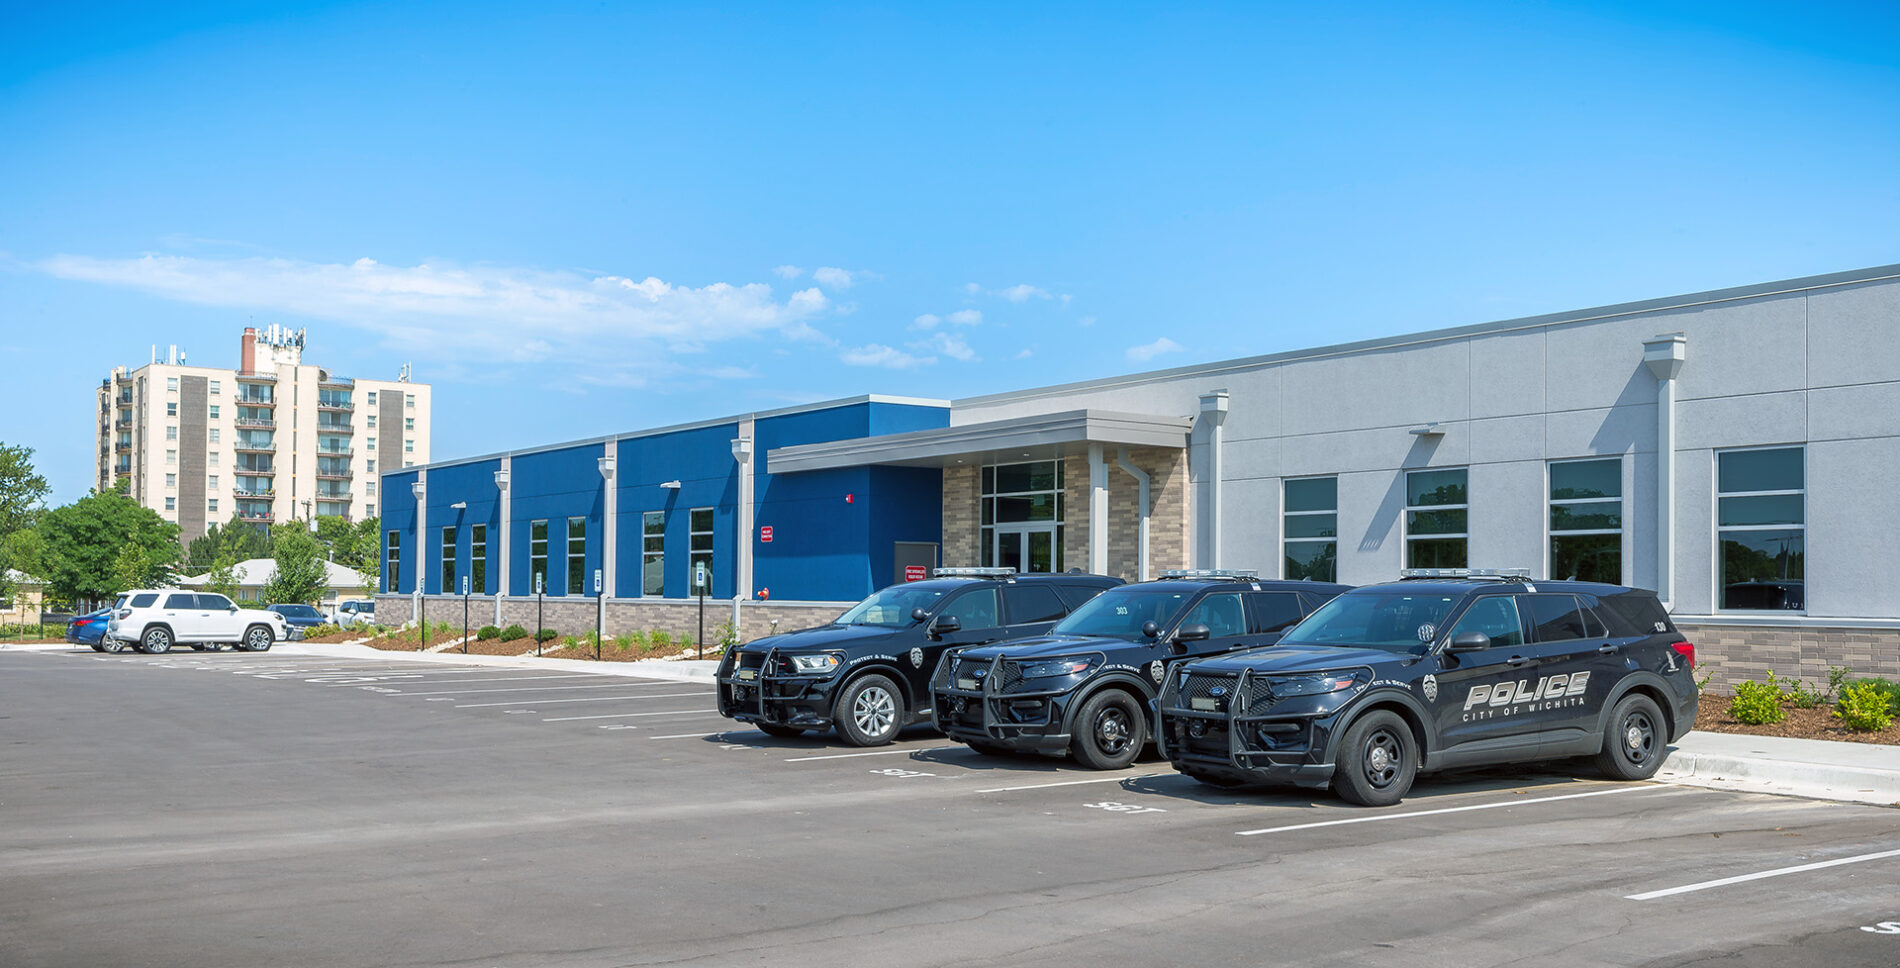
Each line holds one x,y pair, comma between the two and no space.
124,613
1686,650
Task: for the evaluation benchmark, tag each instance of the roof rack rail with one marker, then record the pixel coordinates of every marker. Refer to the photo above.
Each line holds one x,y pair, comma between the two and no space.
1488,574
974,573
1239,574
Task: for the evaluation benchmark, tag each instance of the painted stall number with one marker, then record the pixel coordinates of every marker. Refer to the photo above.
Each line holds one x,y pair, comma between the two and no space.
901,773
1116,807
1884,927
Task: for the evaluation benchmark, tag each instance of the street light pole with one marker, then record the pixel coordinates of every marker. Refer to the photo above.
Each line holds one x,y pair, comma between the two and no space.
464,614
539,598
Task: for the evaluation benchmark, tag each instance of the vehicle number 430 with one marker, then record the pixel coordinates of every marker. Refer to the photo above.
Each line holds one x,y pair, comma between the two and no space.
1115,807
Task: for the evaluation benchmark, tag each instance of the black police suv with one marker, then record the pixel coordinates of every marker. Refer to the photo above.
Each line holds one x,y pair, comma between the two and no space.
1438,671
868,672
1086,687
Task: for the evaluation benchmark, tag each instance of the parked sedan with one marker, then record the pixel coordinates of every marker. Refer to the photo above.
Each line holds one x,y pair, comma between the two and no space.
88,629
300,618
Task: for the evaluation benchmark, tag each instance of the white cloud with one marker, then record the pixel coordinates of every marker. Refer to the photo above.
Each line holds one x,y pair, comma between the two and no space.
973,289
831,277
950,345
1085,321
1144,353
889,357
475,311
966,317
1025,353
788,272
926,321
1022,293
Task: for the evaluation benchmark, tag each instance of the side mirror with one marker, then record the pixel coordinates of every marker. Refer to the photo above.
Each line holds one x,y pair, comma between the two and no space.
1150,629
234,609
1470,642
1193,633
945,624
919,615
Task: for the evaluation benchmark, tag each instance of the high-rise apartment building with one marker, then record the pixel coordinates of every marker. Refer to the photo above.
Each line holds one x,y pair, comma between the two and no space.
274,439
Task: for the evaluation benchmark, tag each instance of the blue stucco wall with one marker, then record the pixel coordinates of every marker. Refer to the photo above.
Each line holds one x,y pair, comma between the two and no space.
399,514
552,485
475,484
701,460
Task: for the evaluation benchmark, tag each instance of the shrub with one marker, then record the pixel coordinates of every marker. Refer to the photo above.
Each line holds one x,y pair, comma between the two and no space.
1757,704
513,632
546,635
1863,706
443,628
726,634
1887,688
1801,695
659,637
623,641
324,629
570,642
487,632
686,641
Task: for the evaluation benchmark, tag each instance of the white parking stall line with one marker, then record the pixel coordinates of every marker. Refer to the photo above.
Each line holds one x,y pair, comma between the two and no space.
1468,807
550,702
1099,779
1742,878
470,692
677,712
690,735
846,756
576,675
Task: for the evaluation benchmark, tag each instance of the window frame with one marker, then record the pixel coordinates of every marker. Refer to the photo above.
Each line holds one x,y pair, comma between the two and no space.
1717,528
450,539
478,559
652,558
576,561
1406,537
1551,501
392,561
695,554
1285,514
542,558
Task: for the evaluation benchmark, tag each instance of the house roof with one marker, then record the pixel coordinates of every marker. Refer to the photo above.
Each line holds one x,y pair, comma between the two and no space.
255,572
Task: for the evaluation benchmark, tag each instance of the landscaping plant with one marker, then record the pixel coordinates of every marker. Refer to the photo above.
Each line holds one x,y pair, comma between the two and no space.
513,632
1862,706
487,632
1757,703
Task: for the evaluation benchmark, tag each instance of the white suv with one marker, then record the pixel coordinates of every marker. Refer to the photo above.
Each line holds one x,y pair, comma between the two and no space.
154,619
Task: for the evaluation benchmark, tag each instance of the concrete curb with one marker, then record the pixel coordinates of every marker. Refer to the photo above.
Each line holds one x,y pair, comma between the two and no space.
1819,769
675,670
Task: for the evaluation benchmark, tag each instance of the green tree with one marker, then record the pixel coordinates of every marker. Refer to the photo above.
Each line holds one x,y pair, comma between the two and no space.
81,546
223,579
236,539
300,576
130,568
21,493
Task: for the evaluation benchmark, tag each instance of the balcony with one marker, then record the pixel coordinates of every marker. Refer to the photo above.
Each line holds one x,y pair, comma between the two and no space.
328,452
122,445
255,400
344,475
260,495
324,428
256,517
261,423
245,376
336,381
340,406
247,447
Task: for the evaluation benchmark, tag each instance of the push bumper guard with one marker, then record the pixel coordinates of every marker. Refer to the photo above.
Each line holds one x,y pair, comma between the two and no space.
757,693
1018,719
1193,705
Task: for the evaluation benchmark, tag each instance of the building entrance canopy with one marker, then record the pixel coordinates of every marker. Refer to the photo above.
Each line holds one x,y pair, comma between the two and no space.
1038,437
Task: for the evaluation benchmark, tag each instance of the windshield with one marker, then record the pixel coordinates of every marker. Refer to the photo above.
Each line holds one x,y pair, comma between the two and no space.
1404,623
891,607
1120,613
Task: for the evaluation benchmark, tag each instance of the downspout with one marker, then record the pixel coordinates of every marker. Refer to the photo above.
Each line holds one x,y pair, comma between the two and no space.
502,477
1664,355
1141,510
1214,411
420,488
742,575
1098,512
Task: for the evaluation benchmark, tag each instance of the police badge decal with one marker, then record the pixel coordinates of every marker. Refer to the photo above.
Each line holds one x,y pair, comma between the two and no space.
1156,671
916,658
1430,685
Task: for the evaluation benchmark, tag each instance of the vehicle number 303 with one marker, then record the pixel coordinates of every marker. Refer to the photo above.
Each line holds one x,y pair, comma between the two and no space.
901,773
1116,807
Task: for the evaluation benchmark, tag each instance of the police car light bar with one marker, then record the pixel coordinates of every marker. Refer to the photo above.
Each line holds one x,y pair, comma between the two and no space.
1211,573
974,573
1502,574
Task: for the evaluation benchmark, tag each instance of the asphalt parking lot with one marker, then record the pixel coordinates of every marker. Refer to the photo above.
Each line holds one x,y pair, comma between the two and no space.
229,809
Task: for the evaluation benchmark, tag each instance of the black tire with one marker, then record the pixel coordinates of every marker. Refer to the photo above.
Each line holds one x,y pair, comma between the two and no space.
1110,731
198,646
782,732
257,638
157,640
1634,740
990,749
99,646
1214,780
1378,758
870,711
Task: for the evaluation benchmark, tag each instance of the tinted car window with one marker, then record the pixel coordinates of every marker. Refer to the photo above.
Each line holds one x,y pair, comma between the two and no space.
1221,613
1495,616
214,601
186,602
1555,618
1031,603
1631,614
1274,611
1397,622
1077,595
144,601
1121,613
974,609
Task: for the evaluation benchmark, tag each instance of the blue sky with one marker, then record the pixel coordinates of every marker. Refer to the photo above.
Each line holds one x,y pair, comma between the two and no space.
581,219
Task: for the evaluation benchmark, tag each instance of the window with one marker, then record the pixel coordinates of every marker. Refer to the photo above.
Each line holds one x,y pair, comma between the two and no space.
1761,528
1022,513
409,400
974,609
1435,515
1274,611
212,483
1310,529
478,558
538,555
171,457
1031,603
1496,617
171,480
448,562
701,548
371,398
653,553
369,510
369,488
214,435
392,566
369,443
1221,613
408,423
171,504
217,387
214,411
171,432
1559,618
370,421
212,458
171,383
212,505
372,467
171,409
183,603
408,446
577,556
1586,520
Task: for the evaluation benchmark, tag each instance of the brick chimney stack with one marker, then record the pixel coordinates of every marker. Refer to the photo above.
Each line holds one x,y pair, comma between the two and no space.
247,355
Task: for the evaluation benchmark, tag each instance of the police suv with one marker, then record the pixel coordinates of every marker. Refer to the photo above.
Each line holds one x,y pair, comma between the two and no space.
1086,687
868,671
1442,669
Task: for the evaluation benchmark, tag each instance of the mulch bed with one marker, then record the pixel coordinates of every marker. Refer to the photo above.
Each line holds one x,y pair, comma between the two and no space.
1817,723
609,653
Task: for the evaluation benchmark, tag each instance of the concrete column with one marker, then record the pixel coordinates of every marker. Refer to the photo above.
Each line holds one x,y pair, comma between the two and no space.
608,534
502,499
1098,512
743,524
1141,510
421,489
1214,412
1664,355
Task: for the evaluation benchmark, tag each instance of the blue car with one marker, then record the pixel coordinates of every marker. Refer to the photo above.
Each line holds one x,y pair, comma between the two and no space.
299,618
89,629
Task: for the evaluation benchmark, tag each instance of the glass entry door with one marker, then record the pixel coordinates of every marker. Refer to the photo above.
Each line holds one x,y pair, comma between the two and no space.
1025,547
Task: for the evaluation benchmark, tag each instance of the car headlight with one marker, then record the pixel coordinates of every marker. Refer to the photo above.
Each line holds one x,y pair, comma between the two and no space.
1067,666
814,663
1286,687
